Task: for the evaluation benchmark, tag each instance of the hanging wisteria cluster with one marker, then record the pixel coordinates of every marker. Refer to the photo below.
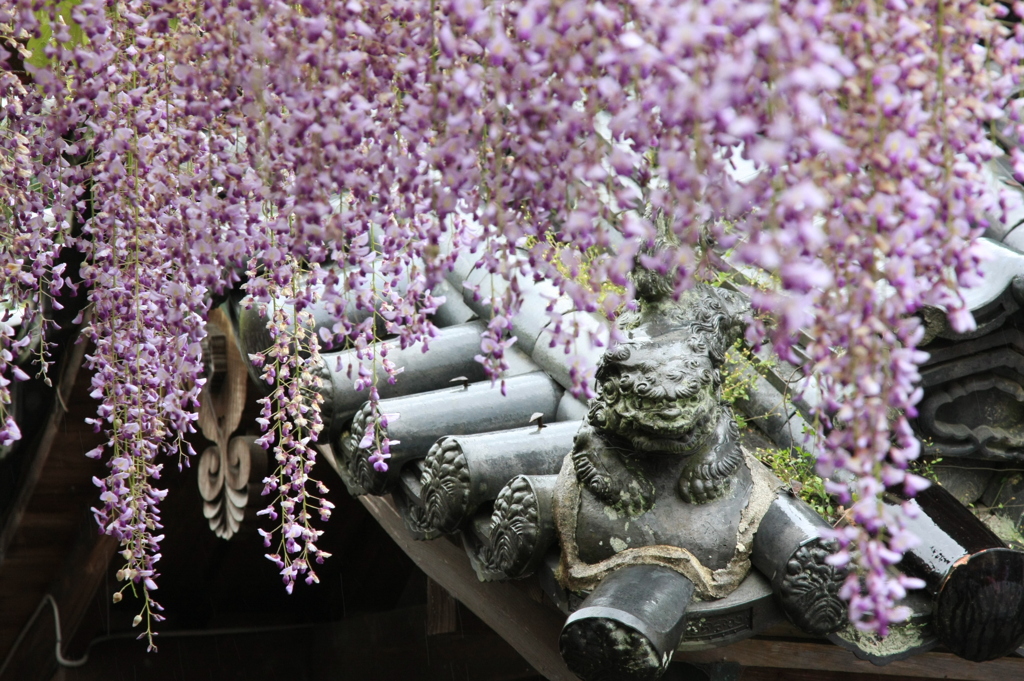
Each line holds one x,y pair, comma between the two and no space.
346,153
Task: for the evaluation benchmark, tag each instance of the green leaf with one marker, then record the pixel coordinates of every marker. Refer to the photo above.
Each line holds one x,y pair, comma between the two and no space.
38,45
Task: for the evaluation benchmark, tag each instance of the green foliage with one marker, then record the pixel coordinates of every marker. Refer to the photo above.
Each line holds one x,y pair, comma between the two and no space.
38,45
576,266
741,369
925,466
742,366
796,468
738,378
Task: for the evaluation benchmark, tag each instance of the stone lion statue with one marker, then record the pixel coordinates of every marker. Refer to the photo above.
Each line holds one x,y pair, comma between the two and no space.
657,478
657,474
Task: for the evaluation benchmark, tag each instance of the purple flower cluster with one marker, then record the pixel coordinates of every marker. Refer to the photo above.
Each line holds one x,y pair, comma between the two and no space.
874,227
348,153
290,418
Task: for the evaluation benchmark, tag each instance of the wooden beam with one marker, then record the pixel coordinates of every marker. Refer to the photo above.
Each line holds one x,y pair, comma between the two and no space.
83,574
71,363
442,615
824,656
530,627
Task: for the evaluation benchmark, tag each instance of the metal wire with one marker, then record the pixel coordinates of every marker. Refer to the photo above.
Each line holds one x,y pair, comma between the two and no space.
185,633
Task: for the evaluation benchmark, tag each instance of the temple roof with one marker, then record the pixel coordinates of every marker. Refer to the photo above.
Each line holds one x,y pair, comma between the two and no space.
471,464
469,494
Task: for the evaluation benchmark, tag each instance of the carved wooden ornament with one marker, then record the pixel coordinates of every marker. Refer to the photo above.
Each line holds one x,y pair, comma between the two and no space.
227,468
